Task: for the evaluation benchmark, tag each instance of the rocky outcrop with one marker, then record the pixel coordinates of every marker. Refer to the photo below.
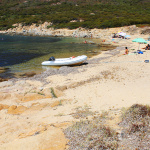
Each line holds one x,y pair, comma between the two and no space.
30,97
4,96
46,29
3,69
1,79
3,106
16,110
43,138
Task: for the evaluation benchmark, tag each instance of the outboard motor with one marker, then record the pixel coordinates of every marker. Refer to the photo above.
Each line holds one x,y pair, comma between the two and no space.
52,58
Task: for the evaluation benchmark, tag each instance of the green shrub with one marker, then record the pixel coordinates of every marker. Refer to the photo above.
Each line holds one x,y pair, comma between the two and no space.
106,13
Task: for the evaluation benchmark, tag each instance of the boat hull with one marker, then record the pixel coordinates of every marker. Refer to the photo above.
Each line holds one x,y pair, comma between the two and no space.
66,61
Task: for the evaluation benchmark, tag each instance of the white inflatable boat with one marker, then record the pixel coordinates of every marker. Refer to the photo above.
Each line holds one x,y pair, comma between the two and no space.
66,61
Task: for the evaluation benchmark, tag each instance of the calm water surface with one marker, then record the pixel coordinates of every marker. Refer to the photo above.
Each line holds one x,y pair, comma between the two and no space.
25,53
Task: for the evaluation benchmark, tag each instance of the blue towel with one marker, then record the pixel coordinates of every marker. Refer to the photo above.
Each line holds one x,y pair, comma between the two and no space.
140,52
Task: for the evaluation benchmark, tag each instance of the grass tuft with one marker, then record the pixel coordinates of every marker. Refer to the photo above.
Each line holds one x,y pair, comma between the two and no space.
53,93
82,113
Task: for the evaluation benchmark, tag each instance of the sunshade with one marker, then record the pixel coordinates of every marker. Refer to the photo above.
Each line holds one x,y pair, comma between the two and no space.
122,33
127,36
140,41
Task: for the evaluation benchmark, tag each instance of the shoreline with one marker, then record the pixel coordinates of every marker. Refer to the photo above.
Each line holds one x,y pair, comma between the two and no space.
43,30
64,70
92,40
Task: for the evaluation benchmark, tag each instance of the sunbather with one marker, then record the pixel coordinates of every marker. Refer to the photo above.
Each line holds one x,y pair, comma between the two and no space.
126,51
147,47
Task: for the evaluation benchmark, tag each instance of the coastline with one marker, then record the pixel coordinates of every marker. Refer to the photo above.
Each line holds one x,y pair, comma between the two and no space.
45,30
95,41
37,109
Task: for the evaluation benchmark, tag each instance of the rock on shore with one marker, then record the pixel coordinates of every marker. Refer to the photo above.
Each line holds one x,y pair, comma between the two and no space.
2,70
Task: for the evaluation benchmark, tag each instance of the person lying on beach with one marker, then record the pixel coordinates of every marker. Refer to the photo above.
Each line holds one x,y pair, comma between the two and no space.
147,47
115,35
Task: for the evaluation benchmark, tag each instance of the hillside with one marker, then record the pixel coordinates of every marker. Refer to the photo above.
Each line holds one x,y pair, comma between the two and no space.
74,13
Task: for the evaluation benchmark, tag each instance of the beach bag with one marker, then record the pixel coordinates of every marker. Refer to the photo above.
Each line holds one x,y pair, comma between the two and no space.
52,58
146,61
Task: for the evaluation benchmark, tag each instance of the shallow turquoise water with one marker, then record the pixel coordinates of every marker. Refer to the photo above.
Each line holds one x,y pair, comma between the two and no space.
25,53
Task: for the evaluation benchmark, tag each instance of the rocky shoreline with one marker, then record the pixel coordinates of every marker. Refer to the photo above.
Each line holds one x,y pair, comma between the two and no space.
103,34
64,70
45,29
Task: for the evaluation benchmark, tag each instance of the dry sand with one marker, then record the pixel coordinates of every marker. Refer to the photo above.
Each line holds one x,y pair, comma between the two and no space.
33,119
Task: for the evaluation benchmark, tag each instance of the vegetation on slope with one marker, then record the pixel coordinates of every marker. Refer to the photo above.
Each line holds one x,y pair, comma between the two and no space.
87,14
136,127
132,132
90,134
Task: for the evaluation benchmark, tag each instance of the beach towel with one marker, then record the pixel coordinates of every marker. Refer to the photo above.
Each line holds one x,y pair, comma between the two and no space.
140,52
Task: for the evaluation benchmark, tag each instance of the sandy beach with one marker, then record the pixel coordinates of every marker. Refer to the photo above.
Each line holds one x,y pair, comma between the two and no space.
34,111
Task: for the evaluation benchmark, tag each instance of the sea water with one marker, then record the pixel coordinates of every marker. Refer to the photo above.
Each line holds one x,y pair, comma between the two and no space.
26,53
